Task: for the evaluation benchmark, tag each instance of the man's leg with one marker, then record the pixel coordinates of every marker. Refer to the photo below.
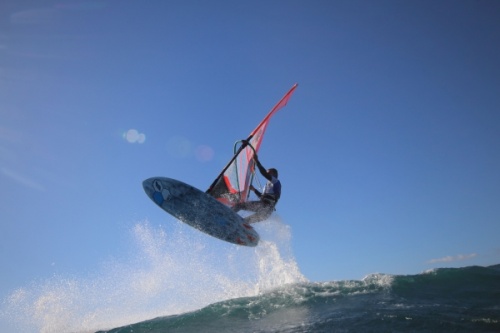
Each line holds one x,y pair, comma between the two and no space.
251,206
260,215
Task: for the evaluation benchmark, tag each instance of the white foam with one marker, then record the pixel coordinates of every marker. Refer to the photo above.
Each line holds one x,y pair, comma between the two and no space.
167,273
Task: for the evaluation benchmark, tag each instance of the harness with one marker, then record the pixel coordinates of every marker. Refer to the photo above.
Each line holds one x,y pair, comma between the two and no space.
269,199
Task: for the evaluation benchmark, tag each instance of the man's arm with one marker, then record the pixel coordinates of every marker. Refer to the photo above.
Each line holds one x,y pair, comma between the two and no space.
257,193
262,170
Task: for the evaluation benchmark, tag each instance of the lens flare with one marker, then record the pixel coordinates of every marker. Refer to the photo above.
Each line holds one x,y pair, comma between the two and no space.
204,153
133,136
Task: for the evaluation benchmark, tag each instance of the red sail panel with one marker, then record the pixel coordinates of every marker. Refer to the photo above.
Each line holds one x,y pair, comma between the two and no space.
232,185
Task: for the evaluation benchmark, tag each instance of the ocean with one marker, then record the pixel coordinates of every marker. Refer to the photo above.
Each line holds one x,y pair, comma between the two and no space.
442,300
176,279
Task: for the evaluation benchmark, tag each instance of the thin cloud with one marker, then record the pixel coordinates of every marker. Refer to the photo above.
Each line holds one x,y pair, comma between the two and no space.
459,257
21,179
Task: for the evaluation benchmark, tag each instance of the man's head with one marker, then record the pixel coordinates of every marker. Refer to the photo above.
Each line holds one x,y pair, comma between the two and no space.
273,172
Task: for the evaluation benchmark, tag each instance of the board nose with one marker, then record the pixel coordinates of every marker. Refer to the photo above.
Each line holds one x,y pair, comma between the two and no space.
148,183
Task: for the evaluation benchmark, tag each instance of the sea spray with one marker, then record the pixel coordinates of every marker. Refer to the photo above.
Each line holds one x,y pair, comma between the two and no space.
446,300
276,263
165,273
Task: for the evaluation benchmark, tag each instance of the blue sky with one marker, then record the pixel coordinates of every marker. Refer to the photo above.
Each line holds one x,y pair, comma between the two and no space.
389,150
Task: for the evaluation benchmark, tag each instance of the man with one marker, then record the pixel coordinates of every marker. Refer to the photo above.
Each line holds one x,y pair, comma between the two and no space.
264,207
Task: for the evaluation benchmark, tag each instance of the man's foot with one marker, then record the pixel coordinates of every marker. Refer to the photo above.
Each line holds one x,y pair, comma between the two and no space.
236,208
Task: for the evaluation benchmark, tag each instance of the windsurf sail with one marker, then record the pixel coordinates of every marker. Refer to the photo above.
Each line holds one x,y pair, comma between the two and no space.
233,183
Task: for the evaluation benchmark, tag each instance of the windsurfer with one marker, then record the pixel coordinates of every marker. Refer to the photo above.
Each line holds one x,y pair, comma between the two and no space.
264,207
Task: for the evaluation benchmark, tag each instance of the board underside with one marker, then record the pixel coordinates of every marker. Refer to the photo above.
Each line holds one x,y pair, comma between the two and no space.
200,210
